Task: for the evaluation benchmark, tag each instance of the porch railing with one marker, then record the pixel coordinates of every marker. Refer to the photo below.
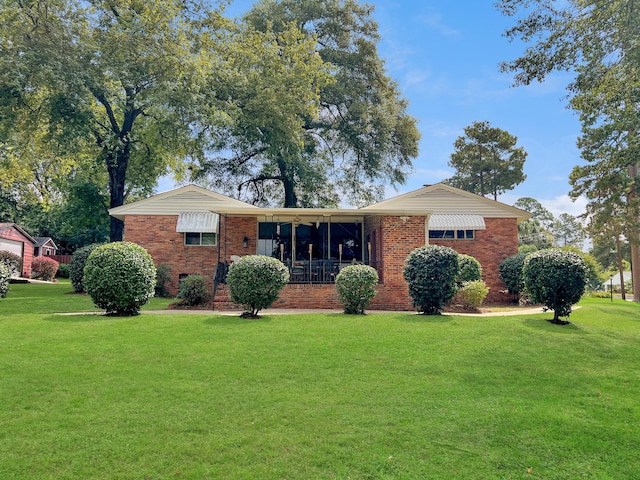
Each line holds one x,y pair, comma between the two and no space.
301,272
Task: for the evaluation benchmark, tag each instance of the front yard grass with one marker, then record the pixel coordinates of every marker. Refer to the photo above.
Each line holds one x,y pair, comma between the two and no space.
316,396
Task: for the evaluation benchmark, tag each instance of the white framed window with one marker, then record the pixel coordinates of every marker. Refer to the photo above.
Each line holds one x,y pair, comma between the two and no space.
200,239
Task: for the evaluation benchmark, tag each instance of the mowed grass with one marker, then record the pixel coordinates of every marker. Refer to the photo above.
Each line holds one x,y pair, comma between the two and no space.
319,396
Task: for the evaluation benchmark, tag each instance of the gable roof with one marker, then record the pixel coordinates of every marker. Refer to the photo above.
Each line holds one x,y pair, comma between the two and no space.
184,199
41,241
432,199
8,226
445,199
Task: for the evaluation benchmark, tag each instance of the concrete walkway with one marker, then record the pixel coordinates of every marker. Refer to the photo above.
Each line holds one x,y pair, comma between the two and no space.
298,311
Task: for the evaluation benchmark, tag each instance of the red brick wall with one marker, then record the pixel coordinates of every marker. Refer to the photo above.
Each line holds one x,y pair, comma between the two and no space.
27,255
395,239
490,247
157,233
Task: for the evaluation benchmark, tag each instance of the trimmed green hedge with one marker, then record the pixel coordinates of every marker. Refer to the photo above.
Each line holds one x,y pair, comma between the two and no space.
356,285
556,279
431,272
76,267
255,282
120,277
470,269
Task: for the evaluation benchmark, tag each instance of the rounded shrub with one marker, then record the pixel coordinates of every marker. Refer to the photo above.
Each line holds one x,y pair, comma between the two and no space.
356,285
12,261
5,276
255,282
431,273
63,270
471,294
511,273
120,277
76,267
470,269
555,279
44,268
163,275
193,290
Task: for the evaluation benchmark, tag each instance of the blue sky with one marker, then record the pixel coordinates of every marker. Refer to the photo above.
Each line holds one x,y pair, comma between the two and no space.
445,57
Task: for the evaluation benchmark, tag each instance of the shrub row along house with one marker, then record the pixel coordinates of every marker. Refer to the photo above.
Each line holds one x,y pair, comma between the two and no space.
195,230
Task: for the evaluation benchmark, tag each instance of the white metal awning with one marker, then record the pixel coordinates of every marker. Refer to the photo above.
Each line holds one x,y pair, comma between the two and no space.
204,222
456,222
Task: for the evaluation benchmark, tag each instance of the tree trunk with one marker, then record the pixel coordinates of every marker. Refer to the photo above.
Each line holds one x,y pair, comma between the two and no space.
620,268
117,175
635,268
288,183
634,238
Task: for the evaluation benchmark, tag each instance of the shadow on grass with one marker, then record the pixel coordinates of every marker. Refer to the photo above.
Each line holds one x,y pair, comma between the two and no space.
546,325
235,320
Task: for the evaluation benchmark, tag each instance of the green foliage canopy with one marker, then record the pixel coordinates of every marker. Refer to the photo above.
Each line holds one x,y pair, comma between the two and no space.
129,83
358,132
487,160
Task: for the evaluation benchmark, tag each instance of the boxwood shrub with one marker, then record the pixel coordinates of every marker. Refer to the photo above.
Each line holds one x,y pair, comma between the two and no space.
511,273
556,279
470,269
471,294
193,291
76,267
255,282
120,277
5,275
163,276
63,270
356,285
431,273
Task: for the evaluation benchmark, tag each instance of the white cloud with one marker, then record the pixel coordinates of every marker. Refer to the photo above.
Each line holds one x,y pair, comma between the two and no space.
557,205
564,204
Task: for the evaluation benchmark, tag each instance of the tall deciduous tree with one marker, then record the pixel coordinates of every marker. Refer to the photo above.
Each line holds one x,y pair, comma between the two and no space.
487,160
134,78
361,135
599,42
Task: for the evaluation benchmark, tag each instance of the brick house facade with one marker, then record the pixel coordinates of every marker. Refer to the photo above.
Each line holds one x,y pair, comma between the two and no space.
381,235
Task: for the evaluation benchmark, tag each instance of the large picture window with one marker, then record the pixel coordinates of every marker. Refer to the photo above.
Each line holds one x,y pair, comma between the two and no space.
311,241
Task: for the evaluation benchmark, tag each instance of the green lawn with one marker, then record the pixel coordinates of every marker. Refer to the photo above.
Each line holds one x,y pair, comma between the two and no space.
315,396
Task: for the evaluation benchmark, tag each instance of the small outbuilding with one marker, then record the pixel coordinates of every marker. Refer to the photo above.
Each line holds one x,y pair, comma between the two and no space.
15,239
44,246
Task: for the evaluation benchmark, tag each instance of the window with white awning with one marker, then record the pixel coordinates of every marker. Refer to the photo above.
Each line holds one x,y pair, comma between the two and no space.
199,228
455,226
